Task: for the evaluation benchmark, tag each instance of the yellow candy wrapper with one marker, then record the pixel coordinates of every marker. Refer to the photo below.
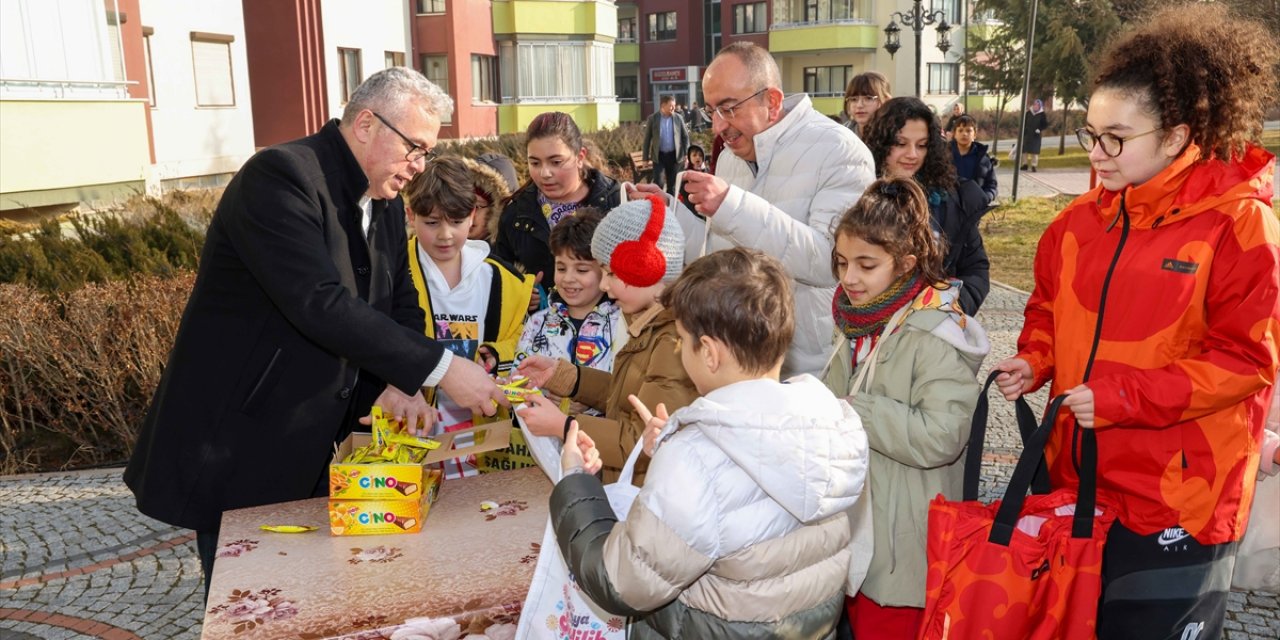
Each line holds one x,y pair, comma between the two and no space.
391,445
287,528
516,392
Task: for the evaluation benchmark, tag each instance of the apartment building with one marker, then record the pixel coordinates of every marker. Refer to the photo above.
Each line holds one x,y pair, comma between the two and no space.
818,44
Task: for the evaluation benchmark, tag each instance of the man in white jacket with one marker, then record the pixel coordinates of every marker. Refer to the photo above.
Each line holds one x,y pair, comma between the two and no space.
791,174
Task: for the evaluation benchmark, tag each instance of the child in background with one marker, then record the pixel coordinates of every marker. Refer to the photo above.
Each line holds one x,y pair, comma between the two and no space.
742,530
641,248
697,159
1155,310
580,324
907,360
970,156
470,299
491,191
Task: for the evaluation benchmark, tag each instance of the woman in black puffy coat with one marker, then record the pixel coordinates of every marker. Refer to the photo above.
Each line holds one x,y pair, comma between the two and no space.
905,138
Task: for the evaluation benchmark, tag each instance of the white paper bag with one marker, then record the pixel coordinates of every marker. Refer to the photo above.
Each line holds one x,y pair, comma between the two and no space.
555,607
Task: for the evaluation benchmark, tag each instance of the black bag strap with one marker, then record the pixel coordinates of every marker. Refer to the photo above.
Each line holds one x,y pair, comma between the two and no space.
1015,494
1027,424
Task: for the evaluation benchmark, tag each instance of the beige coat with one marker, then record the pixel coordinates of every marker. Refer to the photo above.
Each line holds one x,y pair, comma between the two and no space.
648,366
916,409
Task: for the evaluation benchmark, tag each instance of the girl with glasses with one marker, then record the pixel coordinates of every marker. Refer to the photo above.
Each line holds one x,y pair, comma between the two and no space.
1155,310
866,93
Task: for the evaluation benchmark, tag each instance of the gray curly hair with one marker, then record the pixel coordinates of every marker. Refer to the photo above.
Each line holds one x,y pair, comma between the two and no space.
389,90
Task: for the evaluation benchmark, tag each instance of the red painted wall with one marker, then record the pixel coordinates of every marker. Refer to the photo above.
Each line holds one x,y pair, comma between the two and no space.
284,42
465,29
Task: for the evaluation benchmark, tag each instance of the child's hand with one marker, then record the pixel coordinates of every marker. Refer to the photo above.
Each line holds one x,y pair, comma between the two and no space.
1016,379
542,416
579,451
537,369
653,422
1080,402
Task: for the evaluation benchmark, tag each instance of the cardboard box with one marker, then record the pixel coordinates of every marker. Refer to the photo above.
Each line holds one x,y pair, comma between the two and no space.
381,498
377,517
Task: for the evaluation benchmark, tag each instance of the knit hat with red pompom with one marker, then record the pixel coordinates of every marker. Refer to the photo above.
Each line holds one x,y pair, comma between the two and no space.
640,242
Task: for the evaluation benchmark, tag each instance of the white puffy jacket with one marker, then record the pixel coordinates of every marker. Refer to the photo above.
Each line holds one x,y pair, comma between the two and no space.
810,171
742,528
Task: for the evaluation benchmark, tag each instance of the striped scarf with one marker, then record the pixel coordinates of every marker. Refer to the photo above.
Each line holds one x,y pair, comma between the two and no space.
855,321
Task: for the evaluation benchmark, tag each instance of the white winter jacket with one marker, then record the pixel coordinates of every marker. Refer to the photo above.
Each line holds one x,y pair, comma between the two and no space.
742,527
810,171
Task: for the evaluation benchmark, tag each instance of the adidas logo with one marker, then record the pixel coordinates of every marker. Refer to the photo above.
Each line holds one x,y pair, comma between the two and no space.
1172,535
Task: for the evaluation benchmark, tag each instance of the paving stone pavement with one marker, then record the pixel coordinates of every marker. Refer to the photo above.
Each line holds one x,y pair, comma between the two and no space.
80,562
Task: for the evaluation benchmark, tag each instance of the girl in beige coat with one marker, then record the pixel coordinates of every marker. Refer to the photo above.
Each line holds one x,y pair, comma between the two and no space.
907,360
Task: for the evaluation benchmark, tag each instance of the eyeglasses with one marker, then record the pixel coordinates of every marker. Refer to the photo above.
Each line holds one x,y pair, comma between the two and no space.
416,151
727,113
862,99
1112,144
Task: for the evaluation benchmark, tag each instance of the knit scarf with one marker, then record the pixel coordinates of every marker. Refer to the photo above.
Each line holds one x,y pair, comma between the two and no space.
855,321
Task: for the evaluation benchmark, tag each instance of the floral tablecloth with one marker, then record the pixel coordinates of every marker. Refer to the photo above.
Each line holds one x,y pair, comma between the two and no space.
465,575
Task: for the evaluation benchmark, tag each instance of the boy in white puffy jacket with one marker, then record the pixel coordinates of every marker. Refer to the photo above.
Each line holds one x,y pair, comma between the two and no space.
742,528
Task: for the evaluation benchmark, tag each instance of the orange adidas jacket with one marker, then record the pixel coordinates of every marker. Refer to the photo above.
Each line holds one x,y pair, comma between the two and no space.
1188,347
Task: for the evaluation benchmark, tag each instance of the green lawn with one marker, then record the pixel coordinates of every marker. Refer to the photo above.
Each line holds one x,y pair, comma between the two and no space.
1075,157
1012,231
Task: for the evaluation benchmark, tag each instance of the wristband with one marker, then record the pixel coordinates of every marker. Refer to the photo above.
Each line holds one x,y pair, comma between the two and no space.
571,471
568,420
577,380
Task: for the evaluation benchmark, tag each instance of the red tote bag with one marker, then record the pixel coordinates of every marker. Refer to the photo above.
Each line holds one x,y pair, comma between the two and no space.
1024,567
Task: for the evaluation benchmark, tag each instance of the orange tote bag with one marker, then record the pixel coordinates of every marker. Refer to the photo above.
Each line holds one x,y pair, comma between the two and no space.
1024,567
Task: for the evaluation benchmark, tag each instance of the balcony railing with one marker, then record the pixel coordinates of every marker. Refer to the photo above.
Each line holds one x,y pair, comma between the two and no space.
820,23
30,89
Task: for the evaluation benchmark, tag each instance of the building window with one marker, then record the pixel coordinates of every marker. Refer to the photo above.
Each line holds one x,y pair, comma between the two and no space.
430,6
944,77
825,82
557,71
113,41
802,11
483,78
626,30
211,61
711,39
628,88
146,58
393,59
662,26
436,69
950,9
751,18
351,74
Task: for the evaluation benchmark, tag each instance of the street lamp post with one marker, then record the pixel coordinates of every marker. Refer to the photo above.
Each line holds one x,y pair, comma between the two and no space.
917,20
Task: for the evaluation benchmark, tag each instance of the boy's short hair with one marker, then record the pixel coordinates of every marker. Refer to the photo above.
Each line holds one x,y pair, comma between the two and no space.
573,234
446,185
963,120
741,297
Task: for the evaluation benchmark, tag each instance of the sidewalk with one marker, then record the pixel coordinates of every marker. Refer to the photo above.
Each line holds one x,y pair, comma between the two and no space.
80,562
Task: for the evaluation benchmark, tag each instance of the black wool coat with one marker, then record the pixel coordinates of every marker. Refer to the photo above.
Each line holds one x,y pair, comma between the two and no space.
294,320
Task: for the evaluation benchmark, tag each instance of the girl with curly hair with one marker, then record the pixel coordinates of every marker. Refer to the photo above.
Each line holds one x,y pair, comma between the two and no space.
1155,310
905,138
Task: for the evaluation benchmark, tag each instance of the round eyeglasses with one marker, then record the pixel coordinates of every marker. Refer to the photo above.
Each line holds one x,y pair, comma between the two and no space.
727,113
1112,144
